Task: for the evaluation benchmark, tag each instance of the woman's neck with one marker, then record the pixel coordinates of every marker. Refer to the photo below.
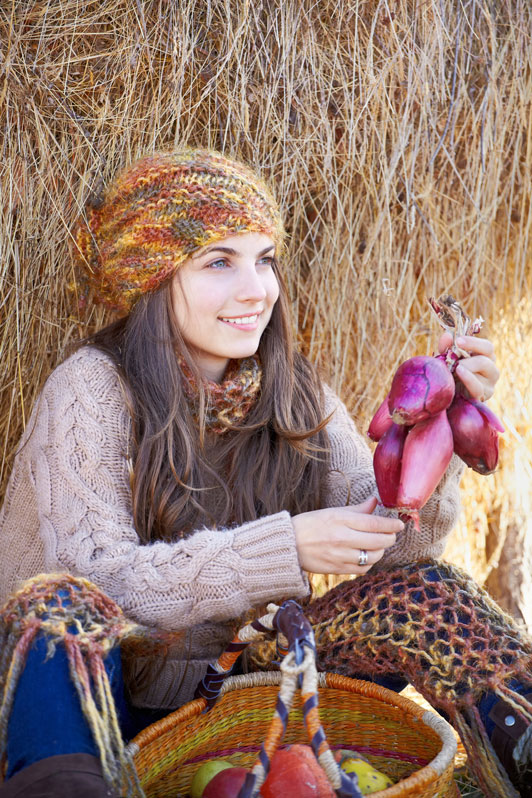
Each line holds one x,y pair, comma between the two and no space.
211,369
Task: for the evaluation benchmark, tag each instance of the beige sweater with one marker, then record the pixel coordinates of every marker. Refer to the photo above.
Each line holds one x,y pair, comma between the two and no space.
68,508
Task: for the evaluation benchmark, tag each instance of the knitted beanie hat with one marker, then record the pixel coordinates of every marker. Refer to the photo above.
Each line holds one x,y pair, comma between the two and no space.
157,212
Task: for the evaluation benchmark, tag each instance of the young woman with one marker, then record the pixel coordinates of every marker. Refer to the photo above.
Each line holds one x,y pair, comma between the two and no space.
189,462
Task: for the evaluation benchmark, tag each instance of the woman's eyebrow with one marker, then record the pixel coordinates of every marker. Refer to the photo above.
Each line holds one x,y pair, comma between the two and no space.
229,251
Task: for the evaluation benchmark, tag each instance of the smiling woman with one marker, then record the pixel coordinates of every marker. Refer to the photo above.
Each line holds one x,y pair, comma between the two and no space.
185,466
223,299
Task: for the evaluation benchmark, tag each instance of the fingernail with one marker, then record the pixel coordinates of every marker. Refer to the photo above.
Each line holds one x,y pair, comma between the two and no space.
461,341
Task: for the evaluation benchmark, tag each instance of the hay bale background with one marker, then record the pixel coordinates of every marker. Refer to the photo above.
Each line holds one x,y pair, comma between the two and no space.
397,137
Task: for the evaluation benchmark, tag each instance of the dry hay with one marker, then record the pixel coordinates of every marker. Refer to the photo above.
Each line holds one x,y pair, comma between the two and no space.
397,137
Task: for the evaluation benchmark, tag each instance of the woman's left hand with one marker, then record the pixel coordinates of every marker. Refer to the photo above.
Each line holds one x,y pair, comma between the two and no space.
479,372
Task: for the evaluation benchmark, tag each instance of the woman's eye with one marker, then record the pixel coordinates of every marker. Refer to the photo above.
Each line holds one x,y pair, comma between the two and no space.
267,261
221,263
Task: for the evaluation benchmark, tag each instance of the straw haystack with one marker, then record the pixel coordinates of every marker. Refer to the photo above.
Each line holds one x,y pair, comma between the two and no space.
397,137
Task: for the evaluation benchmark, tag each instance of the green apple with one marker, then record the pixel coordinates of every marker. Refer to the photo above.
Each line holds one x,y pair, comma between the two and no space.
205,773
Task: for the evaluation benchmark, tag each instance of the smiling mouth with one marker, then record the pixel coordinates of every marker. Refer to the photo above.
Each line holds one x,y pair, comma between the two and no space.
241,320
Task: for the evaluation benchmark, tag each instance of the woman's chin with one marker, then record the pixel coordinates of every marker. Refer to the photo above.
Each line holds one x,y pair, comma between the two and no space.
243,353
245,349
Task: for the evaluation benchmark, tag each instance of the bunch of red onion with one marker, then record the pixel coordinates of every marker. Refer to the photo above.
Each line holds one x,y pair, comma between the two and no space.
424,418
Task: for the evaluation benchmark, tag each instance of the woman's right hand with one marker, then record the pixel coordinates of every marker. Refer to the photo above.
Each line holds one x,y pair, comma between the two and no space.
329,541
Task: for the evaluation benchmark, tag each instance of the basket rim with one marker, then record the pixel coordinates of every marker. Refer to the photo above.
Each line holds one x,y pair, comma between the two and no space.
438,724
411,785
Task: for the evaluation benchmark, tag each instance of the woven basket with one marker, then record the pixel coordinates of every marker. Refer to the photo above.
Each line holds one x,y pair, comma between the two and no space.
413,746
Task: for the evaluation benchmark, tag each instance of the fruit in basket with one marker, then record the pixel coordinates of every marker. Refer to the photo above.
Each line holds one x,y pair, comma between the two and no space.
226,783
347,753
295,772
205,773
370,779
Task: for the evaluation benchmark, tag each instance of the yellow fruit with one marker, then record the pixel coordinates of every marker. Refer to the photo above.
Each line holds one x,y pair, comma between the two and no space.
369,779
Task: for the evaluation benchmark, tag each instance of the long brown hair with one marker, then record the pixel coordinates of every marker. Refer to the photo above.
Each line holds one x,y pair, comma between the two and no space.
185,477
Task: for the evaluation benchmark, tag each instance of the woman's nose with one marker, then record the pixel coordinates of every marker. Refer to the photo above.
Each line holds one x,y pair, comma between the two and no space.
250,285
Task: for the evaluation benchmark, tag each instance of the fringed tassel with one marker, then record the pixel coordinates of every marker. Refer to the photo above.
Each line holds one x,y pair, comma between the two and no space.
481,757
14,653
88,673
75,613
523,751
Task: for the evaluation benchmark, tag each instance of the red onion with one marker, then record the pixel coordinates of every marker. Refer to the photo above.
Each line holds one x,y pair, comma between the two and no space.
475,434
422,387
427,451
387,463
415,434
381,421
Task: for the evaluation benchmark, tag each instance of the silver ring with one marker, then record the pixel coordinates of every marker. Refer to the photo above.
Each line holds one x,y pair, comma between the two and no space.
363,557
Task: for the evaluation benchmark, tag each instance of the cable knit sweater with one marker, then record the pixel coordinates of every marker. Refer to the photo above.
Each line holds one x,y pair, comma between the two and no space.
68,508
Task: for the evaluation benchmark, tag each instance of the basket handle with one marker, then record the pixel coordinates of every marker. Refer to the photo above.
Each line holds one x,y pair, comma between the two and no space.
298,669
294,633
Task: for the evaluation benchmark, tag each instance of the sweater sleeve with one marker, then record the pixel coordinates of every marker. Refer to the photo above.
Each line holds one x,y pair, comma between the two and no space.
85,517
351,480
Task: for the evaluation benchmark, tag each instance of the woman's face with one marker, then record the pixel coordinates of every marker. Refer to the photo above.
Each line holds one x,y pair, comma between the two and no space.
223,297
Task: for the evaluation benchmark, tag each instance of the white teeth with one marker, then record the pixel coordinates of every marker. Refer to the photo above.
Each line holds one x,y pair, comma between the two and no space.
243,320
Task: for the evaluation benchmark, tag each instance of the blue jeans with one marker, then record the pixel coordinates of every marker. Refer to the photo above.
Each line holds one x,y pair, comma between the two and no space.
46,718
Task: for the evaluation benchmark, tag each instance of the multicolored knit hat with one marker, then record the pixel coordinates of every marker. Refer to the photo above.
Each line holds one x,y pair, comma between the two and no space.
157,212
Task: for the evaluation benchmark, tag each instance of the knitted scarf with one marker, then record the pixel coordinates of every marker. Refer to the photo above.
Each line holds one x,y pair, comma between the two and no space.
73,611
431,624
228,402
